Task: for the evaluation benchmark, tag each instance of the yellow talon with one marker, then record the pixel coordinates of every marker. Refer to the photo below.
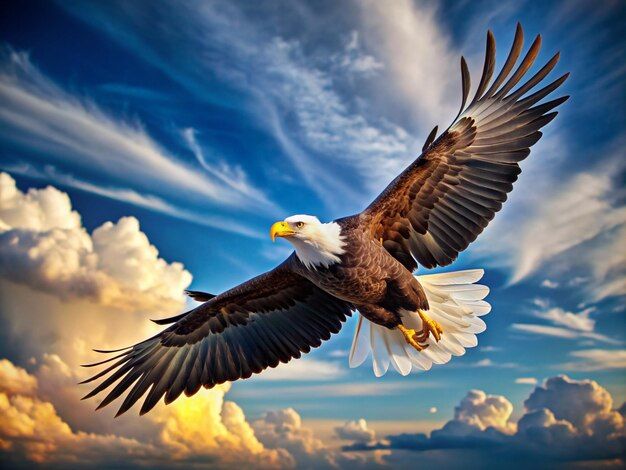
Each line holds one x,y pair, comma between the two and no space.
429,326
410,336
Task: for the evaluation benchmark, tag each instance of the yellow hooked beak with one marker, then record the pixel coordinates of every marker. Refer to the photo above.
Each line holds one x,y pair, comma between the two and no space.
280,229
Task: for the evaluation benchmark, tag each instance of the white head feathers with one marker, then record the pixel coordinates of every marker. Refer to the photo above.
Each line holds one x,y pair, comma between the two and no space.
316,244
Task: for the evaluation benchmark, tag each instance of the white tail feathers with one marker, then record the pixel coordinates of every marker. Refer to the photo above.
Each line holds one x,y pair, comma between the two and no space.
455,302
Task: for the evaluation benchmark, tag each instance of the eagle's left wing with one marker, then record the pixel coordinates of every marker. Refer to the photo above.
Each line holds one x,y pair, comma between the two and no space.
269,319
444,199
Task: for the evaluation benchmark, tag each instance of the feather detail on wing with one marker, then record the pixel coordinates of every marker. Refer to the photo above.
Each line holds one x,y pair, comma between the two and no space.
267,320
444,199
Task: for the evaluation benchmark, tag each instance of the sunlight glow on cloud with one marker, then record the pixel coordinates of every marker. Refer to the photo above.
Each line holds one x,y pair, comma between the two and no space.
41,415
222,113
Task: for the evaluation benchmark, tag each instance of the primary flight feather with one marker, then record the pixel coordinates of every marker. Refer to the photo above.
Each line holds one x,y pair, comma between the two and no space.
430,213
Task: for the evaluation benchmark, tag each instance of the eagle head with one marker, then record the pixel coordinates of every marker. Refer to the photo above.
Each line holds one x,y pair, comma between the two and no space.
316,243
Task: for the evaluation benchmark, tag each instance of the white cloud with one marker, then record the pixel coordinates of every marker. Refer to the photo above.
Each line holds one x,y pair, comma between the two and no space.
15,380
40,116
43,245
548,284
321,118
304,369
580,211
574,229
135,198
596,359
568,325
355,431
283,429
325,124
232,177
566,422
559,332
575,321
482,411
32,429
584,403
419,55
42,418
338,353
526,381
490,363
353,60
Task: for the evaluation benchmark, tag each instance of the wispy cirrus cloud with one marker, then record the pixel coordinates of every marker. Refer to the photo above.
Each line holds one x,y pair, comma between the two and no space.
306,369
560,332
40,117
322,110
563,323
146,201
596,359
577,225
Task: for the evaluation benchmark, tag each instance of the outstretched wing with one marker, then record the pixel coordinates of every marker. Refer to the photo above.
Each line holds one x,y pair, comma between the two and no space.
444,199
269,319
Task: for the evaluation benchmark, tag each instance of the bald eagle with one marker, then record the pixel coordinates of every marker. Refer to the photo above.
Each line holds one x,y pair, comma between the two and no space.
365,262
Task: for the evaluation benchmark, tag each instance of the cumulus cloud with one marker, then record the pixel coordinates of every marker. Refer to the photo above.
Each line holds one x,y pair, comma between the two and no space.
565,421
481,411
284,429
204,428
15,380
83,290
207,426
31,429
584,403
356,431
44,245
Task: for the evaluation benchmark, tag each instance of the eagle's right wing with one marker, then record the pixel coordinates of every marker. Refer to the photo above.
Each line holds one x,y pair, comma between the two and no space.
269,319
439,205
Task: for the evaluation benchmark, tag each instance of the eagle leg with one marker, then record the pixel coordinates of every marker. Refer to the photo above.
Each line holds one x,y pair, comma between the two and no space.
411,337
429,326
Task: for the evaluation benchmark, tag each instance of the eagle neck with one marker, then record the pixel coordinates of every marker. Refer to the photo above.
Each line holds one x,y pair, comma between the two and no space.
322,251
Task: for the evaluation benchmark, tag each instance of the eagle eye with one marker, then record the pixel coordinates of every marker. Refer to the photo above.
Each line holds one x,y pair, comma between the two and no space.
300,224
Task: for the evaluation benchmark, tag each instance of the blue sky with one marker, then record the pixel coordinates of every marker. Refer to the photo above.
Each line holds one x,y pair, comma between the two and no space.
209,121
